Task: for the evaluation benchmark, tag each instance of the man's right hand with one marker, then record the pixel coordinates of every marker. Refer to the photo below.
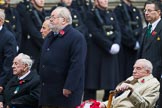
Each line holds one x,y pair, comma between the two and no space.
123,87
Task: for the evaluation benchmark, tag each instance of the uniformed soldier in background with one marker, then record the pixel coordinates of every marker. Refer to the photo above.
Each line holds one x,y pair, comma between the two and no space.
160,1
130,22
12,20
32,21
22,7
103,46
83,6
77,21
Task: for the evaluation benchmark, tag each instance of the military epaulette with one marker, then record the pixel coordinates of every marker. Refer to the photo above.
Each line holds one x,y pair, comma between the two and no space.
28,7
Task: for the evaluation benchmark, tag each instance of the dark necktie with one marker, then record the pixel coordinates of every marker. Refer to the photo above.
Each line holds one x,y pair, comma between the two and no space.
148,32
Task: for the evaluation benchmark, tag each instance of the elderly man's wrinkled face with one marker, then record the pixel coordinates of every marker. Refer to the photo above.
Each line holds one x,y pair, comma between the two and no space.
45,28
139,71
18,67
55,21
151,14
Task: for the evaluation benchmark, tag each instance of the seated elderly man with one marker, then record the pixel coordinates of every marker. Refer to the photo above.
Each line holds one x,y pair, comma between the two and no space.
23,90
139,91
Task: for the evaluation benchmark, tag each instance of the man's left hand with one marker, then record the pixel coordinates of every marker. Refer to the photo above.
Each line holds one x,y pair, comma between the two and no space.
66,92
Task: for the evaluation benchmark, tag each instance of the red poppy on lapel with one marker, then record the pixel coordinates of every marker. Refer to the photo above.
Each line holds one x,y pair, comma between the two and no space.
153,33
21,82
61,32
143,80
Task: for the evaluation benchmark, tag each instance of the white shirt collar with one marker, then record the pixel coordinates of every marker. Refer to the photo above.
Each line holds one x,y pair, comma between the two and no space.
1,28
154,24
22,77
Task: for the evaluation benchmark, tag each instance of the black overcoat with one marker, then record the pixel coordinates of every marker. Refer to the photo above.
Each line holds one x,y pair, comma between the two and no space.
23,93
7,54
62,67
151,49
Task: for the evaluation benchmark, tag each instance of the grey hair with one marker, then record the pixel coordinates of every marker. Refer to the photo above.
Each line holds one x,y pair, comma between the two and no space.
25,59
2,14
146,64
64,13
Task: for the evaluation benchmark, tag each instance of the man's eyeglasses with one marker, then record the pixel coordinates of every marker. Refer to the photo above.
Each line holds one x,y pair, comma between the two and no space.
52,17
148,10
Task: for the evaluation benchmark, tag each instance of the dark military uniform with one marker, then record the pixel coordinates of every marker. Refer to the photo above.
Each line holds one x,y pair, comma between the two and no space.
13,23
77,22
101,66
32,39
82,6
131,28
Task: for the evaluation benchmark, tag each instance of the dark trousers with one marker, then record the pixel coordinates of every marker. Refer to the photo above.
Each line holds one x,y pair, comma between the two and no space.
89,94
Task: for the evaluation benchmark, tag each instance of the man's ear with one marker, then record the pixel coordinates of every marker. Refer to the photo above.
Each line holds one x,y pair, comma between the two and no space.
63,21
25,67
148,71
159,11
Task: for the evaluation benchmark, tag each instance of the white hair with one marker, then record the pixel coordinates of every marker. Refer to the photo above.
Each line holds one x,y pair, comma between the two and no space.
25,59
64,13
146,64
2,14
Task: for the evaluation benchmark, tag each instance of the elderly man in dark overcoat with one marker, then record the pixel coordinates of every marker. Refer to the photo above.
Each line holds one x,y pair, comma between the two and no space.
62,63
23,90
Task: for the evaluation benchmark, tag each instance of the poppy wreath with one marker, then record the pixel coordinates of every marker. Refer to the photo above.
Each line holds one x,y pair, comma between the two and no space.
89,103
